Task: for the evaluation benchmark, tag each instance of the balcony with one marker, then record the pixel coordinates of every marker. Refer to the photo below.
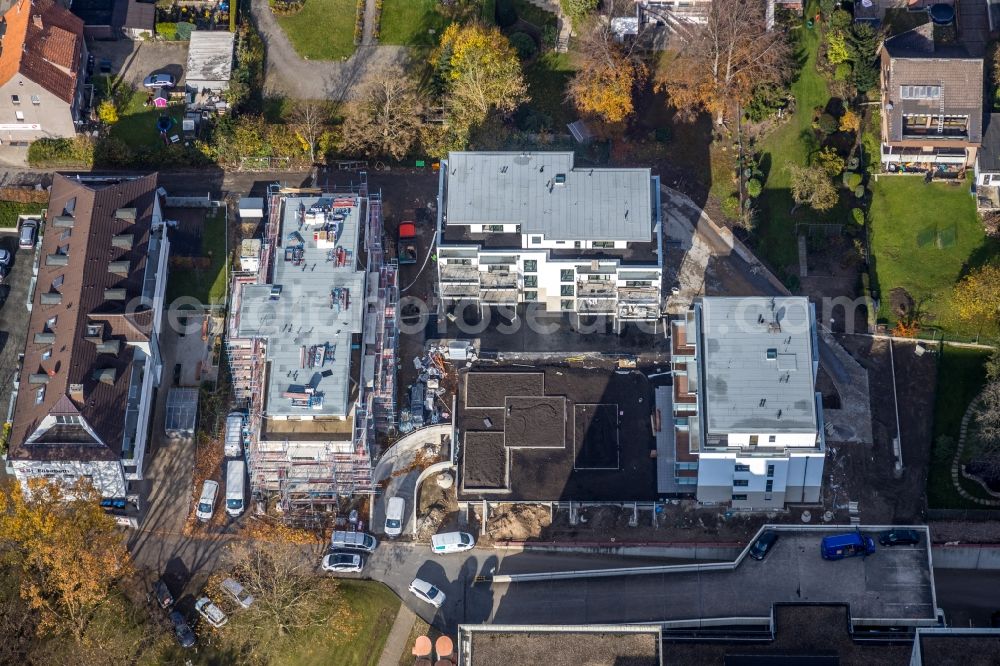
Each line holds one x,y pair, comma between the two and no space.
595,305
499,296
679,345
458,290
595,289
891,155
459,273
639,295
498,280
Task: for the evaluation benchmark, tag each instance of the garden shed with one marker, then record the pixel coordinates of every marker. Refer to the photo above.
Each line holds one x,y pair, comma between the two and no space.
210,61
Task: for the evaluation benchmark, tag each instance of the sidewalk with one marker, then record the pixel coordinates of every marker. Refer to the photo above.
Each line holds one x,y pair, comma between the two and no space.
398,636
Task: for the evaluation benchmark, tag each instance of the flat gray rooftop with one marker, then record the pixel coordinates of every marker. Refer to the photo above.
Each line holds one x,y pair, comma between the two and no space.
757,364
522,188
893,583
310,311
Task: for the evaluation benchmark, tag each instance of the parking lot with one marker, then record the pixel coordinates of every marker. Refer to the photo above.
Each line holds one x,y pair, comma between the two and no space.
13,314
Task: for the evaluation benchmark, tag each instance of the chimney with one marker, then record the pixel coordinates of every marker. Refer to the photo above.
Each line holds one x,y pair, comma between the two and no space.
76,393
37,20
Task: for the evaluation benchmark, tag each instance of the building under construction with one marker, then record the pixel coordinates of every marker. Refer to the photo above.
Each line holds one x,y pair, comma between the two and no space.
312,336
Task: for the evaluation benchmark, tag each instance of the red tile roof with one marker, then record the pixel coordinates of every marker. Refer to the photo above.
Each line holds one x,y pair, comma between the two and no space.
43,43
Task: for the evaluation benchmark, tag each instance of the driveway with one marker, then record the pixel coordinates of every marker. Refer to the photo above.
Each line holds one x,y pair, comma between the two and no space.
136,60
290,75
14,315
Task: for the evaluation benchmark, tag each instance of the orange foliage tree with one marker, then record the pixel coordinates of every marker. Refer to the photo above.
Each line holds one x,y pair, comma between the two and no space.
608,76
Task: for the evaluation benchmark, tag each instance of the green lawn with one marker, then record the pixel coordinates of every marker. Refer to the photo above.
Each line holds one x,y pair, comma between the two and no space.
323,30
372,608
9,210
961,375
923,238
137,123
789,144
409,22
208,286
547,78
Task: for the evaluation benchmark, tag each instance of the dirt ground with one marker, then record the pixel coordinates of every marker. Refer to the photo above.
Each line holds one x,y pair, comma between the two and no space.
484,463
437,509
863,474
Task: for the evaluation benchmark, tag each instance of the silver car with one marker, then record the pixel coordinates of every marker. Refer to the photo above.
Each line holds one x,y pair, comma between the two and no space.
26,240
343,563
158,81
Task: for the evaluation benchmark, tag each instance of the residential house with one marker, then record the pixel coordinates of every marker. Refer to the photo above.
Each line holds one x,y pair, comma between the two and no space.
140,18
525,228
988,165
92,358
42,57
932,101
747,420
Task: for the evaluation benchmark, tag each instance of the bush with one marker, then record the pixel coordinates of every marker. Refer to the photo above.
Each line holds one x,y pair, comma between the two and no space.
75,152
843,72
506,15
753,188
524,45
827,124
167,31
765,102
852,180
9,210
831,162
731,207
858,215
107,112
24,195
860,191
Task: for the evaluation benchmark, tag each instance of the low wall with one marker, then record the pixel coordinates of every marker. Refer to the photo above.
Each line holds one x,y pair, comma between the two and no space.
190,202
971,556
684,551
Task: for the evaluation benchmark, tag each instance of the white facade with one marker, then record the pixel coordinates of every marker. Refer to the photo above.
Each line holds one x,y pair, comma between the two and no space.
107,476
745,409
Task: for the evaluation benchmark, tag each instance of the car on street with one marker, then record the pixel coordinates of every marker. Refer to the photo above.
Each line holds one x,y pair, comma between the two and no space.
237,592
162,593
159,81
452,542
212,613
182,630
343,562
763,545
26,238
206,503
427,592
899,538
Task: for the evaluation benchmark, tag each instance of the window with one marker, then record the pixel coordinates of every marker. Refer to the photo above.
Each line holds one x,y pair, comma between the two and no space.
47,354
772,354
15,99
68,420
741,483
536,240
494,228
58,282
576,244
771,439
530,280
50,323
770,469
93,330
603,244
19,116
63,249
739,498
638,283
566,305
40,395
35,100
740,467
769,486
567,290
566,275
754,439
530,265
920,92
531,295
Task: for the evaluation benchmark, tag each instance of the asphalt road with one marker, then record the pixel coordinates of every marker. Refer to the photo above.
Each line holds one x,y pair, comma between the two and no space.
968,598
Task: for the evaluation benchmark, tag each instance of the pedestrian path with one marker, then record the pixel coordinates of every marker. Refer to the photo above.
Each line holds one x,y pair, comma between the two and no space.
398,637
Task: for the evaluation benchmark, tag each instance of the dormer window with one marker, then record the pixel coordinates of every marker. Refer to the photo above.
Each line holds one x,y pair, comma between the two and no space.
47,354
94,330
58,282
50,323
40,395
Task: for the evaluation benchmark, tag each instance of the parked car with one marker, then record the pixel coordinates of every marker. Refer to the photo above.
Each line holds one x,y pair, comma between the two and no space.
343,562
206,504
5,257
212,613
763,545
4,272
394,516
353,541
237,592
162,593
839,546
159,81
899,538
427,592
452,542
26,240
182,631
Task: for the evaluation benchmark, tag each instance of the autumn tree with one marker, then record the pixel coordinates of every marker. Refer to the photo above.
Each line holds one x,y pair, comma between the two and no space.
66,549
977,295
309,118
477,72
608,74
107,112
812,186
578,10
720,62
386,121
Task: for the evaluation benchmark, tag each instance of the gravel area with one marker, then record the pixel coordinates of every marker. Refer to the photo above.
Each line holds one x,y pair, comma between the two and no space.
564,649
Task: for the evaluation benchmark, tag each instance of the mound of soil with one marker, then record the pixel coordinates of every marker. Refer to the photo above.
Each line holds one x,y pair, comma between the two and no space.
518,522
901,302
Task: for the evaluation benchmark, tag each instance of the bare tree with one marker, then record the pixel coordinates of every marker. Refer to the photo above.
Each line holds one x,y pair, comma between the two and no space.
718,64
387,119
309,118
988,416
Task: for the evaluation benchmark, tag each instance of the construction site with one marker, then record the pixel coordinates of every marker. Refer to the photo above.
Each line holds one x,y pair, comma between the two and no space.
312,336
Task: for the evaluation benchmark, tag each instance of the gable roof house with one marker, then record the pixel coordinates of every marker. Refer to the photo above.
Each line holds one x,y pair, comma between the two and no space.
988,165
91,359
932,102
42,56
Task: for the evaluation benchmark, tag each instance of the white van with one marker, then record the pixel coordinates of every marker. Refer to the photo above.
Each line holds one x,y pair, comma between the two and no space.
394,516
356,541
235,487
452,542
234,435
206,503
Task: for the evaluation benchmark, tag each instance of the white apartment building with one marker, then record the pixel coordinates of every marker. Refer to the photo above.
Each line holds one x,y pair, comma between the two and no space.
747,421
521,228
